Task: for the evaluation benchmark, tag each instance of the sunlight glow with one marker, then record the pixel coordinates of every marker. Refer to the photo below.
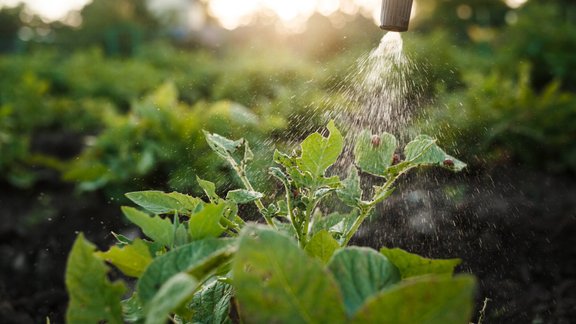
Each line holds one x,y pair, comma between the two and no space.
291,13
49,10
515,3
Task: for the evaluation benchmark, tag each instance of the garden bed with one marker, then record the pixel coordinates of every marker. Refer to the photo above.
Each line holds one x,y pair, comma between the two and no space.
513,229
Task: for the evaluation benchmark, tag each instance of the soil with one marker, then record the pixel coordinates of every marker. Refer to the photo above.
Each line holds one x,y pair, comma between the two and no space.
514,229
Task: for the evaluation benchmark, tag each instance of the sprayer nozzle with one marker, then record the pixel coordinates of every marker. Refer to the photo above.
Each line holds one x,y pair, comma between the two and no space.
395,15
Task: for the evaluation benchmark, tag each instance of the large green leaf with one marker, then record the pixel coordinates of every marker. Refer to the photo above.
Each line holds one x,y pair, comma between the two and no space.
93,298
173,293
130,259
351,193
361,273
373,153
430,300
197,258
318,152
206,222
159,202
276,282
412,265
158,229
243,196
322,246
212,304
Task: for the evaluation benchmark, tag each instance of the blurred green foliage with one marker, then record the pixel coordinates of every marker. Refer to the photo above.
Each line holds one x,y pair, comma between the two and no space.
135,122
498,83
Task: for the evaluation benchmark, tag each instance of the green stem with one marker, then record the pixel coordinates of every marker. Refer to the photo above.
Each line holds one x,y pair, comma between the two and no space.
368,207
291,214
241,171
364,212
307,217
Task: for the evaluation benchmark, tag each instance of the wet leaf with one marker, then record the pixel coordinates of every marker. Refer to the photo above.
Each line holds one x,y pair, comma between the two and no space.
173,293
159,202
322,246
351,193
361,273
242,196
196,258
206,222
318,152
210,189
156,228
411,265
222,146
212,303
131,259
93,298
429,300
372,157
272,289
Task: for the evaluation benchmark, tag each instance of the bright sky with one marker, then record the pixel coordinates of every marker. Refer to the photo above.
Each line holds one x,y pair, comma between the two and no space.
234,13
230,13
49,9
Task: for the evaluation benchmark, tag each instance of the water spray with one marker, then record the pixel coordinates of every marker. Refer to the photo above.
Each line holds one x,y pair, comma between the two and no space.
395,15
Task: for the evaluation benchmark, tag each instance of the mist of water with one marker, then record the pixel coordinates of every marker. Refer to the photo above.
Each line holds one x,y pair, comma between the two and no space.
379,94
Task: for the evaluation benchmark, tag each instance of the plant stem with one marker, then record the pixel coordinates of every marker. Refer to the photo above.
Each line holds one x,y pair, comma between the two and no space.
291,214
364,212
307,216
241,172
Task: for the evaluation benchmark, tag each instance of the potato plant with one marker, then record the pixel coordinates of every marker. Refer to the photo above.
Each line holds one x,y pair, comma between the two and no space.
200,262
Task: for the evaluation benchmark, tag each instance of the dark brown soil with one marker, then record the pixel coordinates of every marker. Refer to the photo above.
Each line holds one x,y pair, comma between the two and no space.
515,230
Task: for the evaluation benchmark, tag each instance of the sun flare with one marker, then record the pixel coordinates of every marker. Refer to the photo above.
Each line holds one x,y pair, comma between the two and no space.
233,13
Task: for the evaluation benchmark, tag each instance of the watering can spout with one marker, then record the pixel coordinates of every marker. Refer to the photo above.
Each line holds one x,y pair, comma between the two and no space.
395,15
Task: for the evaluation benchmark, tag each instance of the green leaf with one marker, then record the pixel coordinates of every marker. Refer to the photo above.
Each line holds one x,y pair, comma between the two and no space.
156,228
93,298
335,223
209,188
322,246
181,236
131,259
197,258
374,154
212,303
423,150
351,193
276,282
242,196
361,273
411,265
132,309
206,222
318,152
430,300
284,159
159,202
278,174
173,293
222,146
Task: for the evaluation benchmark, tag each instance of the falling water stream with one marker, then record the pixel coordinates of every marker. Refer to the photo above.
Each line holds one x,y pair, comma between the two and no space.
379,94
